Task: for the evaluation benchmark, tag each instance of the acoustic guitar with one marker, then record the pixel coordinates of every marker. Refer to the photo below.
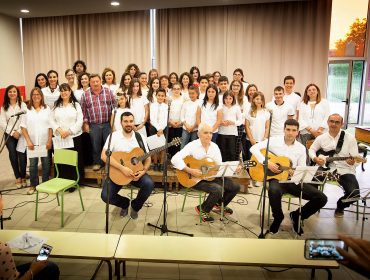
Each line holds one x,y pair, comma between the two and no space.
207,166
329,157
284,163
134,160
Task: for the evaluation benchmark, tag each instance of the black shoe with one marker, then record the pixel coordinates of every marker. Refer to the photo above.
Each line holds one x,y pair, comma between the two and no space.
339,213
274,228
294,218
71,190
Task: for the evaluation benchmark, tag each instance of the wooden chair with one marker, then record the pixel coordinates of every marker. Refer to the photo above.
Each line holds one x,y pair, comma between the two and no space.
57,185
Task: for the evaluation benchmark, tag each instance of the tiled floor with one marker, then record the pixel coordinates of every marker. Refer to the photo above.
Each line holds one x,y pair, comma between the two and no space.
247,225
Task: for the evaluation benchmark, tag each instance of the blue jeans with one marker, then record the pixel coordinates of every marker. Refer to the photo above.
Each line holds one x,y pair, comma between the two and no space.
145,184
187,137
17,160
34,176
316,199
99,133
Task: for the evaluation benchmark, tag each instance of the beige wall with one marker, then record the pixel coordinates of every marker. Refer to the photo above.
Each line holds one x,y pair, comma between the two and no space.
11,65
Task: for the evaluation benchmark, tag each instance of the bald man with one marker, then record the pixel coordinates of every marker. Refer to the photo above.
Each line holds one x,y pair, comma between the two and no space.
205,148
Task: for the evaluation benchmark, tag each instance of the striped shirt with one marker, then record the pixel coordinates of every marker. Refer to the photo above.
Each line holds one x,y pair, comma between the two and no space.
97,108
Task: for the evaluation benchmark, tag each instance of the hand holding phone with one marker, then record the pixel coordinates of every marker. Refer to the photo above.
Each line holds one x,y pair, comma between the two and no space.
44,252
324,249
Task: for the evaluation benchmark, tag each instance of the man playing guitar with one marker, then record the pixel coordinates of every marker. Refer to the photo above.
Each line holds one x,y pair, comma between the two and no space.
199,149
125,141
346,169
286,145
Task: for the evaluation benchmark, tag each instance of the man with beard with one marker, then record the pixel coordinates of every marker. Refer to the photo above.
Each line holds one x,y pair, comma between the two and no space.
125,141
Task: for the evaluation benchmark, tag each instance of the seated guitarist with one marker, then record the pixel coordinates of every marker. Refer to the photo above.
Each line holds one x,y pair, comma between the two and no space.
125,141
287,145
204,148
329,142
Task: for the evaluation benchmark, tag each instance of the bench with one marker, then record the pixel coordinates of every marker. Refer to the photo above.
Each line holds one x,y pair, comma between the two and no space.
73,245
217,251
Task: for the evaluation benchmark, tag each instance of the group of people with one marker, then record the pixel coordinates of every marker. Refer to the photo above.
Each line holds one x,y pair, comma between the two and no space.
233,114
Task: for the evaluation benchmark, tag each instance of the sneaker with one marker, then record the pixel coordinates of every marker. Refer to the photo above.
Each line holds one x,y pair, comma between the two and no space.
294,219
205,216
133,214
124,212
227,210
274,227
31,190
96,167
339,213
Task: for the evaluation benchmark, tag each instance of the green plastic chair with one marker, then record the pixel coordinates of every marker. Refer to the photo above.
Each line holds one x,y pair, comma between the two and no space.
59,186
200,202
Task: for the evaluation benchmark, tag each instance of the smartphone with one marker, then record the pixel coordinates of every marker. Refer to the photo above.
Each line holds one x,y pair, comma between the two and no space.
324,249
44,252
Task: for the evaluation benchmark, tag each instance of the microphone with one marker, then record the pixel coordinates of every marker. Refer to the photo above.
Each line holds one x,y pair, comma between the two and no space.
18,114
169,102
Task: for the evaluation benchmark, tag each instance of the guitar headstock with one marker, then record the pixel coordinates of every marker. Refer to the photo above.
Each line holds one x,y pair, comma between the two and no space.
360,159
176,141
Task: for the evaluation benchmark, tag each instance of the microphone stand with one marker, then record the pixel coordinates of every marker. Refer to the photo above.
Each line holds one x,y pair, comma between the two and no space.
265,170
7,138
108,154
164,229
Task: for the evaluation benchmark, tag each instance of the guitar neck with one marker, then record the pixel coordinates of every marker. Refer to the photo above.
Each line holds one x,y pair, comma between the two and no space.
331,159
155,151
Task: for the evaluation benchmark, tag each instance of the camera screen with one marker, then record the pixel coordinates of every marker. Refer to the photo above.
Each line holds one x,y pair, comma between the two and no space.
324,249
44,253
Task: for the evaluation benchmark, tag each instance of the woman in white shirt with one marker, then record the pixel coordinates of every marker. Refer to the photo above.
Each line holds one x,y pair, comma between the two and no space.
238,75
38,134
210,111
228,131
188,117
51,93
122,106
257,120
313,114
158,124
66,121
175,124
71,79
186,82
12,104
83,85
143,79
153,87
125,82
109,80
41,80
139,106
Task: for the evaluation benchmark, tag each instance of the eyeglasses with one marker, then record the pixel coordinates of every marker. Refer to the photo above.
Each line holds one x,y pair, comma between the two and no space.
335,122
36,94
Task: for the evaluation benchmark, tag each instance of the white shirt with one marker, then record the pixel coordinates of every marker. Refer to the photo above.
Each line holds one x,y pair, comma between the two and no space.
314,117
280,114
185,94
67,118
37,125
158,115
295,152
5,116
293,99
144,92
326,142
78,93
231,114
50,97
197,151
175,108
189,112
208,114
201,96
257,124
113,88
138,108
244,108
117,119
120,143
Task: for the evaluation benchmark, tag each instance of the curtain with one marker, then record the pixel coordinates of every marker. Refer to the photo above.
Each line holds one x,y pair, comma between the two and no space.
268,41
101,40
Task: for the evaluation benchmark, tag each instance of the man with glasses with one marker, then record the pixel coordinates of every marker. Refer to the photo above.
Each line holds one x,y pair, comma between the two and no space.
346,169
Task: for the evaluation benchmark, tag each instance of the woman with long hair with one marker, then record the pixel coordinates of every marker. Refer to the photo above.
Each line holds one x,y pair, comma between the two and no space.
143,79
38,134
195,75
125,82
109,79
175,124
133,70
313,114
139,106
66,121
210,111
51,92
12,104
83,84
185,81
250,91
153,87
41,80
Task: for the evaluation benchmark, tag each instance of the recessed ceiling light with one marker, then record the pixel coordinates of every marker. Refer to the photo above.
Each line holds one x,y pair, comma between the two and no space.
25,11
114,3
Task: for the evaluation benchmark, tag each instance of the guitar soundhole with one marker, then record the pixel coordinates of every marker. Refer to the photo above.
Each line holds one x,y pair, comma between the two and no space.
204,169
134,161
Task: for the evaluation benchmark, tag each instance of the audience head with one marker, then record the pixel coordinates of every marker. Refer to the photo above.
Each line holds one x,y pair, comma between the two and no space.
108,76
216,76
289,82
134,88
70,75
143,79
291,130
36,99
238,75
79,66
195,74
258,101
203,82
312,93
205,133
279,94
164,81
52,79
228,96
174,78
250,91
133,70
153,73
95,82
66,94
335,123
125,81
11,93
161,95
223,83
186,80
41,80
193,92
83,80
127,121
211,95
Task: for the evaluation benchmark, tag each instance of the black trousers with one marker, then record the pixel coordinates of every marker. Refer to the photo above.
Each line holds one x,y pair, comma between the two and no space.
350,187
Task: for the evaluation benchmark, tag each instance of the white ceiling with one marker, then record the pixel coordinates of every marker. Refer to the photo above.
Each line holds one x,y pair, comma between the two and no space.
44,8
